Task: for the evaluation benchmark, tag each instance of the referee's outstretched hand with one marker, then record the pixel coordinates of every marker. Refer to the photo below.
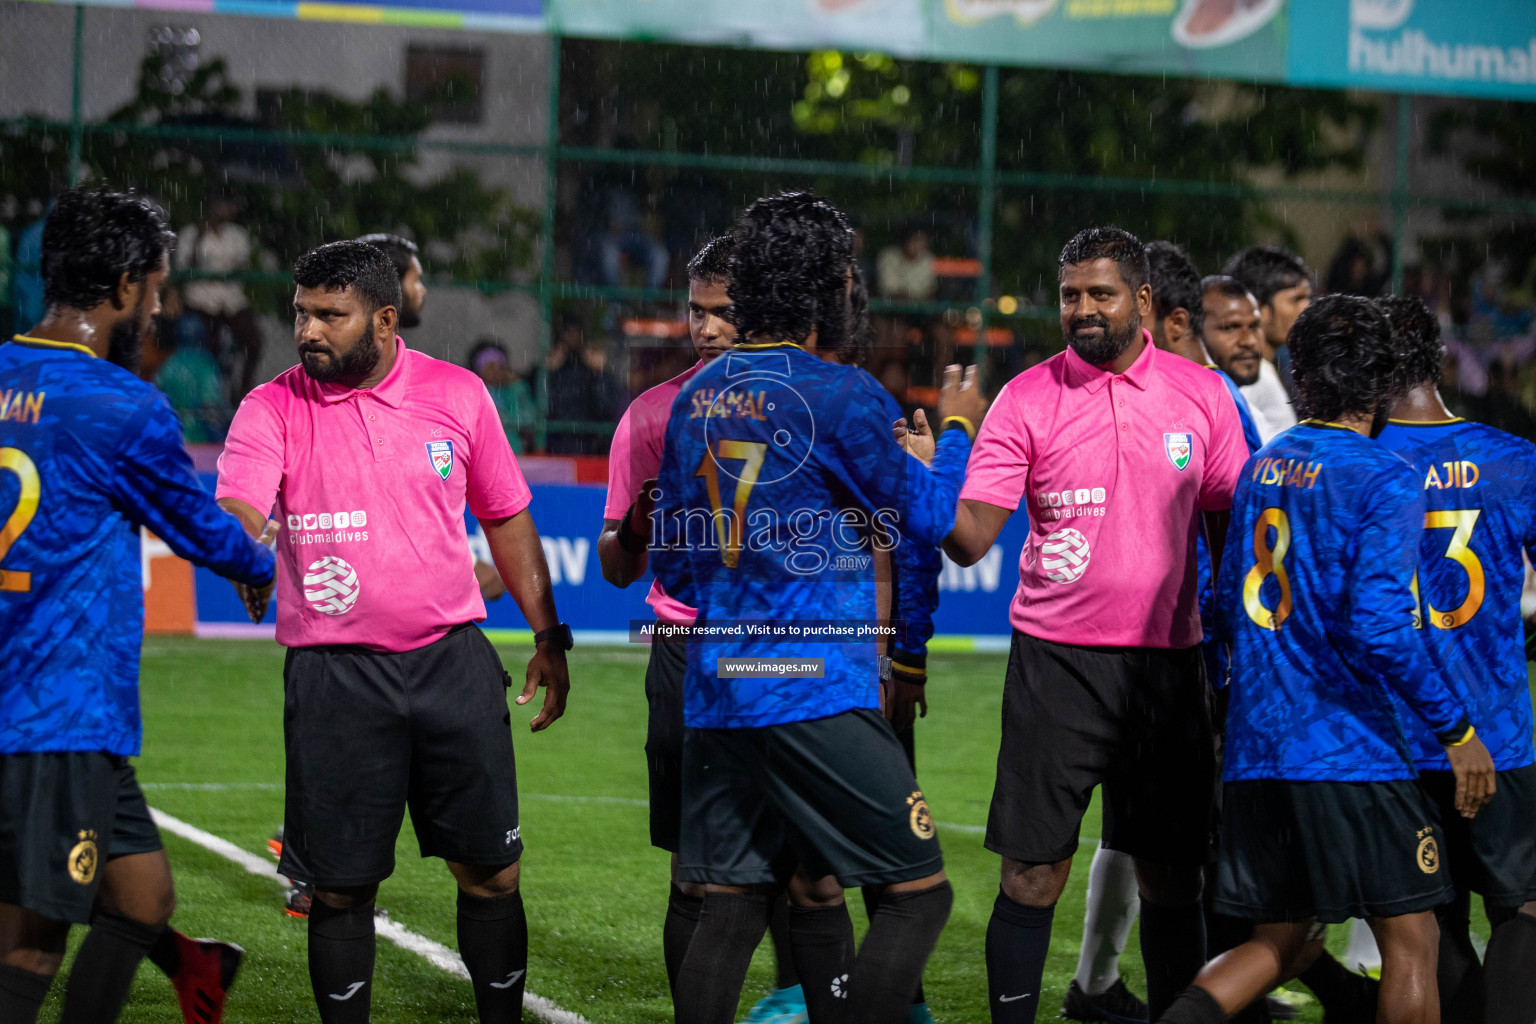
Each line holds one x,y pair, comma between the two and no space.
961,396
547,668
1474,770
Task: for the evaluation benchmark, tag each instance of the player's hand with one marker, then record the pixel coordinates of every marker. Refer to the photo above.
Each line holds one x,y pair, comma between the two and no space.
1473,767
961,396
916,437
547,668
905,704
256,599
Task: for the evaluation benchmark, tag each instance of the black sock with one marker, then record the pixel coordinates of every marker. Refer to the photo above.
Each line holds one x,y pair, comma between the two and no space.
1458,972
1194,1005
821,942
493,940
1508,974
1018,939
902,934
1343,993
709,982
104,968
1173,948
165,954
677,931
783,953
341,949
22,994
872,895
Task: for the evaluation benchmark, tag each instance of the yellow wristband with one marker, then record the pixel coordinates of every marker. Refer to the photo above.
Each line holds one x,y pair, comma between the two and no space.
970,428
1471,732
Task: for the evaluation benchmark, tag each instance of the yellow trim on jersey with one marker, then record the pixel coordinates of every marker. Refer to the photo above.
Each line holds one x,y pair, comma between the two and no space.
25,340
967,425
1471,732
757,346
1328,423
1428,423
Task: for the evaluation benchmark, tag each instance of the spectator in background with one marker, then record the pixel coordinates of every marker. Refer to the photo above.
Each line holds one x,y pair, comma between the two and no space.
220,246
406,257
580,389
1282,285
905,271
191,381
27,277
627,241
509,392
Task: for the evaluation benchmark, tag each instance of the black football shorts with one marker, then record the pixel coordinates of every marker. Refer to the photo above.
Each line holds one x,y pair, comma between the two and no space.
664,740
1135,720
369,733
1494,854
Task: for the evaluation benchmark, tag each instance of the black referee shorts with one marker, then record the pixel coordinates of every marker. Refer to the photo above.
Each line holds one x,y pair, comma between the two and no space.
62,815
368,734
664,740
1133,719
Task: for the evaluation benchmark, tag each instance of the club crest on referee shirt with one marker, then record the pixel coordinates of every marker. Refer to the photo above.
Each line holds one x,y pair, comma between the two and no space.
441,454
1178,447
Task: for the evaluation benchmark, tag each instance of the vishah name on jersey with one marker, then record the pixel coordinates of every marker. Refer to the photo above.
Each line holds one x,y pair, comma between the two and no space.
1287,472
21,406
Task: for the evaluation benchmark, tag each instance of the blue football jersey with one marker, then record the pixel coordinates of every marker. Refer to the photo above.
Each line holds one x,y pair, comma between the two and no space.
776,471
1215,665
1480,496
88,454
1316,595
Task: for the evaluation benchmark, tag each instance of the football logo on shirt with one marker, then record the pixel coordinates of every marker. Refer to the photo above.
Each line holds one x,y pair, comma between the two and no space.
441,454
1064,556
83,858
1178,447
330,586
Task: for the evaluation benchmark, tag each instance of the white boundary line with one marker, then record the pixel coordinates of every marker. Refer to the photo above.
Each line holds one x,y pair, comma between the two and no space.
435,953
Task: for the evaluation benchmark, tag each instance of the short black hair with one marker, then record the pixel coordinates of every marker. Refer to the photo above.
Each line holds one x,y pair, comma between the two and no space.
712,264
1267,269
351,264
1109,243
1175,283
92,237
1344,358
789,270
399,250
1224,285
1420,351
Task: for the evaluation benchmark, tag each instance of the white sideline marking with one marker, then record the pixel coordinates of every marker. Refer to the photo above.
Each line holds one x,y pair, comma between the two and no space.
435,953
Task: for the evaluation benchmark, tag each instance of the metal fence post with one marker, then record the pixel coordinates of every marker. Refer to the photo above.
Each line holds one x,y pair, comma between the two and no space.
986,205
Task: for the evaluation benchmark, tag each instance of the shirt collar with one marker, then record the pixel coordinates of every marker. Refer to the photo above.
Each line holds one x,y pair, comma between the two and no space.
45,343
390,390
1081,373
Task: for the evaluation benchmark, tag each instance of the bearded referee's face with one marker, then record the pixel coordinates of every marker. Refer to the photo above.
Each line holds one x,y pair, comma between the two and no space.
1100,314
338,337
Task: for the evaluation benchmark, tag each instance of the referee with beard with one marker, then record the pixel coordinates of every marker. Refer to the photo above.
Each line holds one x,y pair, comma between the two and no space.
366,455
1116,449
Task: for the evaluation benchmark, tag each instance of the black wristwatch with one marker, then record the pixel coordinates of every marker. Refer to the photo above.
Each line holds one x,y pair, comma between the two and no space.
560,634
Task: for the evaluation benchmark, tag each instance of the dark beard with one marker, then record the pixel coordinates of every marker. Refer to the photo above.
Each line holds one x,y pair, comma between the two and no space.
1109,345
125,345
353,366
409,317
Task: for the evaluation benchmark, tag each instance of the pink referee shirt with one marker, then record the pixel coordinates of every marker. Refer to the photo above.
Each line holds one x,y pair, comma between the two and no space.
1115,470
369,486
634,458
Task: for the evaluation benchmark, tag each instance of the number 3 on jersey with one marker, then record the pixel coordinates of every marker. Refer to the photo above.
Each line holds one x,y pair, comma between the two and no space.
1459,550
728,522
1269,561
16,461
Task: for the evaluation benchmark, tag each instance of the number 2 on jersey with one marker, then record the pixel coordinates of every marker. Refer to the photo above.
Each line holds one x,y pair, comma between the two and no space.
16,461
728,524
1269,561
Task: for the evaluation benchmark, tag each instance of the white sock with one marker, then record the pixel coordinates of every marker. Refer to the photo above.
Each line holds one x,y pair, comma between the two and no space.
1113,900
1362,954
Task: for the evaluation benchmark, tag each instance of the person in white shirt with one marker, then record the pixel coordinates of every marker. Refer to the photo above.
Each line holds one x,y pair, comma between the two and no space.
905,271
1282,284
220,246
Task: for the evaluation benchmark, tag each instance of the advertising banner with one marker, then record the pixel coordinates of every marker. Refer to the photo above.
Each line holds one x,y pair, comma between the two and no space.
1486,48
973,602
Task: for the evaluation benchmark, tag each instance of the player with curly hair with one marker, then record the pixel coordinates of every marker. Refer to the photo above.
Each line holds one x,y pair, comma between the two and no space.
779,471
1480,492
1322,817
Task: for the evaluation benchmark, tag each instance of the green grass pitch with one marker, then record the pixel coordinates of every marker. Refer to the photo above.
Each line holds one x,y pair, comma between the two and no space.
594,888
